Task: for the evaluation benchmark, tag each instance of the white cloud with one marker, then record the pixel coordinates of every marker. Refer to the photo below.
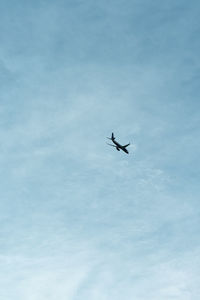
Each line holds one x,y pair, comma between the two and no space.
80,220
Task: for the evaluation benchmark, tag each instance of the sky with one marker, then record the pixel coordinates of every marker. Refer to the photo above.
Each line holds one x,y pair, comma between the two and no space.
78,219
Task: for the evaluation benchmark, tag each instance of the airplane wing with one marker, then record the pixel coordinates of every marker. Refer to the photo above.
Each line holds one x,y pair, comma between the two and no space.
126,145
111,145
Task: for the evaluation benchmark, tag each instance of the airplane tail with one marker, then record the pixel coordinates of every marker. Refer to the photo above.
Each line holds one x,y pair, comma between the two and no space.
112,137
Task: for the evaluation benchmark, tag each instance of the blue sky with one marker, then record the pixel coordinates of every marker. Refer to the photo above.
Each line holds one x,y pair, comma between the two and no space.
79,220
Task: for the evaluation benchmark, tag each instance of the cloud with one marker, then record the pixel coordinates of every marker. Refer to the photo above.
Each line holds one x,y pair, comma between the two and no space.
79,219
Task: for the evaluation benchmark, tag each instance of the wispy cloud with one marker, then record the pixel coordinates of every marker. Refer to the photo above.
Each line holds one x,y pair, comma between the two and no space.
80,220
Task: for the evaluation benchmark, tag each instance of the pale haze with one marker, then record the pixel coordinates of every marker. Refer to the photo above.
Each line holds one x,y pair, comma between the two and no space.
78,219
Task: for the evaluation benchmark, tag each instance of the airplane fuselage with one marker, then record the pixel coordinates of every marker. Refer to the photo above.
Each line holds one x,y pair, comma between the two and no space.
118,146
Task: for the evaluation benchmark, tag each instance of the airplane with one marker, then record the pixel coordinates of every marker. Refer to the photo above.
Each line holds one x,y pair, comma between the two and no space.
117,145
